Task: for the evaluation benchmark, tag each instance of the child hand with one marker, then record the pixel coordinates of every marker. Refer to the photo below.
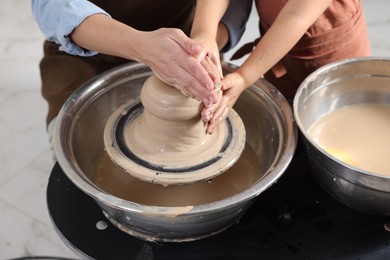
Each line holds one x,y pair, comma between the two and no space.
209,48
213,72
232,87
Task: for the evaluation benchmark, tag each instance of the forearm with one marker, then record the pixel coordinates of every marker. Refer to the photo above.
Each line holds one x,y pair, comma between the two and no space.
103,34
207,17
290,25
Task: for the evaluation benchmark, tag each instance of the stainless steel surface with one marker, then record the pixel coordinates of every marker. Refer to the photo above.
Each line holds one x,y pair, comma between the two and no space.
348,82
78,142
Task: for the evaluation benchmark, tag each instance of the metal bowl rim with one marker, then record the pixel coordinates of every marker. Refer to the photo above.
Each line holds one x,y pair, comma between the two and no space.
251,192
298,121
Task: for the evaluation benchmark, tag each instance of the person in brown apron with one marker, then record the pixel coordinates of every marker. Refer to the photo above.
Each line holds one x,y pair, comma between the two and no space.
297,37
339,33
62,73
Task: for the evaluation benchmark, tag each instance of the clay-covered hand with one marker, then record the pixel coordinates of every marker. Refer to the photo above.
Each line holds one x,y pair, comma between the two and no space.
214,74
209,47
177,60
232,87
212,64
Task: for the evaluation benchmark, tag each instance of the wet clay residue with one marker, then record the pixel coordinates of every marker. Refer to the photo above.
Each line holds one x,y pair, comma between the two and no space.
166,142
170,131
244,173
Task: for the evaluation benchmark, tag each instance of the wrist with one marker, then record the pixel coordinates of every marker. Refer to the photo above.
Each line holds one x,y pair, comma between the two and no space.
241,81
133,43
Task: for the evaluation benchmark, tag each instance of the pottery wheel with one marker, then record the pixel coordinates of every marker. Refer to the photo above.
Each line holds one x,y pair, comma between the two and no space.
162,139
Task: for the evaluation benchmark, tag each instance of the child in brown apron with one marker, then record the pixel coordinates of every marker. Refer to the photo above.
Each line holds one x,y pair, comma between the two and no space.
339,33
297,37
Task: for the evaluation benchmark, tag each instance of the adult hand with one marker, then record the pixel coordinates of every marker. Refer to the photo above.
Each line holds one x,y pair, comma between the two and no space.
168,52
232,87
177,60
209,47
212,64
213,72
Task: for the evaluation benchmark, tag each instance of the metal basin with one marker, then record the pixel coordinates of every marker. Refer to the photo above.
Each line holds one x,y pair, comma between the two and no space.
344,83
78,142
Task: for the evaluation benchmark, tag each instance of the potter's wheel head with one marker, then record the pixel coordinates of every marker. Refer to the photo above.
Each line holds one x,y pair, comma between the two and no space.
171,166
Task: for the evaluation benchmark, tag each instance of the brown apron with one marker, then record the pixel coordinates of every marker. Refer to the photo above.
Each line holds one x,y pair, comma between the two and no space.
339,33
62,73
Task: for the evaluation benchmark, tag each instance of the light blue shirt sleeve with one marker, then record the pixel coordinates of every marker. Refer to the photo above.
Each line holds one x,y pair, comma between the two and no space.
58,18
235,19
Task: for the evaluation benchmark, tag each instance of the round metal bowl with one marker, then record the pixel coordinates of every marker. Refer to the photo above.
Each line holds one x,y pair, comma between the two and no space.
344,83
78,142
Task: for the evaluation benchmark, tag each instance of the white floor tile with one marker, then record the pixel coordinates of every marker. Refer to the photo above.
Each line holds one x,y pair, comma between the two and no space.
30,185
22,130
22,236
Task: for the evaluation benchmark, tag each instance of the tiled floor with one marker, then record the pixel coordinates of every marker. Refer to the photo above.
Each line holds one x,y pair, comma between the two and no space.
25,157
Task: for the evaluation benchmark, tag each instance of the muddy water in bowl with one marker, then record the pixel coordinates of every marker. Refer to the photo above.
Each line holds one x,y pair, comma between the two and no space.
358,135
80,148
168,133
239,177
364,84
